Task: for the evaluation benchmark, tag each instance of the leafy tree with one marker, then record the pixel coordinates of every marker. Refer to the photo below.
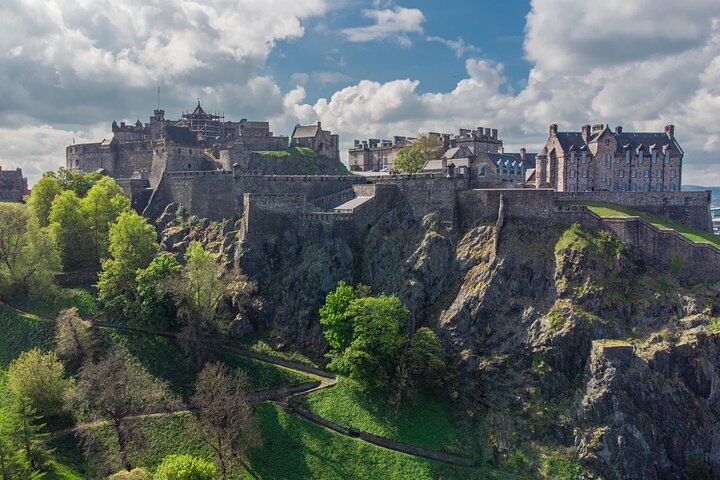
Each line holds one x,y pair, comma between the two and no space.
410,160
155,306
28,257
133,244
75,341
223,419
184,467
38,378
78,182
41,198
114,389
101,206
199,293
430,146
70,230
334,315
134,474
374,351
421,364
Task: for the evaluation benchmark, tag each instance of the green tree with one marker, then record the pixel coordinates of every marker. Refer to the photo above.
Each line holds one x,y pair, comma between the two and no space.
134,474
430,146
70,230
334,315
75,342
133,244
184,467
28,257
199,293
374,352
101,206
38,378
155,306
410,160
421,365
41,198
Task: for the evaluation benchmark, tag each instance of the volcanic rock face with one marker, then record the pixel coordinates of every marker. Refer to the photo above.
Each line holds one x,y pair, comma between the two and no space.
555,335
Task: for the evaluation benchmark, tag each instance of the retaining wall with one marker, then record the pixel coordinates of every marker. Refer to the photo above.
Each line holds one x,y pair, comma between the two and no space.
700,261
690,208
481,206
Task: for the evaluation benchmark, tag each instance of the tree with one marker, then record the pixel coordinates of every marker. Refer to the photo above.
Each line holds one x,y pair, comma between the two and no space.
133,244
199,293
430,146
38,378
28,257
70,230
334,315
134,474
75,341
14,463
101,206
410,160
184,467
41,197
421,364
374,351
114,389
154,305
223,416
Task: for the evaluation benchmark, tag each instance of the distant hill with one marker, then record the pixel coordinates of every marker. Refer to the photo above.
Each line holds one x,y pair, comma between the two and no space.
715,192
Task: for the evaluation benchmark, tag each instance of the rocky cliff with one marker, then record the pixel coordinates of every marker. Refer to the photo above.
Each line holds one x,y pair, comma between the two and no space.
557,336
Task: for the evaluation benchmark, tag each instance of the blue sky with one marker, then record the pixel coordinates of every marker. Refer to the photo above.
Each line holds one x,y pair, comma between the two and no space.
366,69
492,30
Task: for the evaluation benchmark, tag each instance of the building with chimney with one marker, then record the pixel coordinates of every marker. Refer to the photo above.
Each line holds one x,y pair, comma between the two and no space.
599,159
323,142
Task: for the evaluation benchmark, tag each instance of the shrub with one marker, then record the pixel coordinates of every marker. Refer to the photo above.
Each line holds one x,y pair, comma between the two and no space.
675,263
185,467
134,474
39,378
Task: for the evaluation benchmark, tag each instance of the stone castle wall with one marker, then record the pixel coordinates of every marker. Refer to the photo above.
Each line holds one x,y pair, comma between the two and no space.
425,193
690,208
481,206
131,158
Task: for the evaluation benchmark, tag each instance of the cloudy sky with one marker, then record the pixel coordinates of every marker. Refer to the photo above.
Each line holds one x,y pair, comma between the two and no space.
372,68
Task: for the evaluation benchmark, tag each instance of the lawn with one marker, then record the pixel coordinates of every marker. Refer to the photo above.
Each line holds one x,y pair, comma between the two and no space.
292,448
297,151
611,210
59,299
271,344
429,423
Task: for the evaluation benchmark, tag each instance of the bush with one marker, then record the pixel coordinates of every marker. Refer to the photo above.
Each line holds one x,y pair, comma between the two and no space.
185,467
134,474
675,263
39,378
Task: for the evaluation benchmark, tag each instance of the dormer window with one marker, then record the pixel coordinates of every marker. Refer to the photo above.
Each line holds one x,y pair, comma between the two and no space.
583,158
667,156
641,157
654,156
627,157
572,157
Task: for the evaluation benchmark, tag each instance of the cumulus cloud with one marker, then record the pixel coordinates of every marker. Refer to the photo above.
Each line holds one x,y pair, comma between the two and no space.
394,23
458,46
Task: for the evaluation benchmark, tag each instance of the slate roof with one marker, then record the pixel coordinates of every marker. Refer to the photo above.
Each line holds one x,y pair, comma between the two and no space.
198,110
434,165
633,139
307,131
528,162
181,135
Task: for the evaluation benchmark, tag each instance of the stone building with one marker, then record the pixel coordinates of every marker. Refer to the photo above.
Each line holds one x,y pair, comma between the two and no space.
13,185
321,141
600,159
377,155
486,169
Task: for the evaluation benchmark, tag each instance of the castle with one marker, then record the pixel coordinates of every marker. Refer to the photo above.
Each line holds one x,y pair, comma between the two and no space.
13,185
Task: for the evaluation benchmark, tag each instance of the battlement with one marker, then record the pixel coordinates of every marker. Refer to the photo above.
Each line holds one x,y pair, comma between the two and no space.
197,173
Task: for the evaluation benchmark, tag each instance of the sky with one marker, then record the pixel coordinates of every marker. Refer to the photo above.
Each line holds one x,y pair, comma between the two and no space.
365,68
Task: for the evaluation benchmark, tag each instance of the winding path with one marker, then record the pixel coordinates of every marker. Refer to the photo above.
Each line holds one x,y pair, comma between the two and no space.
282,395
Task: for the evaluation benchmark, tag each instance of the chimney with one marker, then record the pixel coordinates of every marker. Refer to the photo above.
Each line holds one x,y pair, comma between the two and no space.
598,127
553,129
319,124
494,133
618,129
487,132
670,130
522,153
585,132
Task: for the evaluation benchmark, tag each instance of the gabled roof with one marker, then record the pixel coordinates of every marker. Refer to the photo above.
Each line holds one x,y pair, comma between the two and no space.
631,139
306,131
527,162
198,110
182,135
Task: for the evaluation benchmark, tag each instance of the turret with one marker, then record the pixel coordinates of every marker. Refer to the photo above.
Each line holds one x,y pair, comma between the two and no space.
541,168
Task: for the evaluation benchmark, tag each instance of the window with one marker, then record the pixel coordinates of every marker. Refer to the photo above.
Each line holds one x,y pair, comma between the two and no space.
584,173
672,187
189,166
634,174
672,173
641,158
572,188
583,158
191,151
572,173
667,156
621,173
634,187
646,174
658,174
482,172
607,141
647,187
627,157
572,157
654,156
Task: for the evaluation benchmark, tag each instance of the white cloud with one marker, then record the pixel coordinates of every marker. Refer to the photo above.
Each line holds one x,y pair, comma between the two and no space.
458,46
394,23
327,78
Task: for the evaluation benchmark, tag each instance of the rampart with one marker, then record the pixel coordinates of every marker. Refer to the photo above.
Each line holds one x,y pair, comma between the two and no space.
690,208
425,193
137,190
659,247
207,194
481,206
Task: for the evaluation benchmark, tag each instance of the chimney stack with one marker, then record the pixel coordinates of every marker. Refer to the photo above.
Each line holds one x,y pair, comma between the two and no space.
618,129
522,153
585,132
598,127
494,133
553,129
670,130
